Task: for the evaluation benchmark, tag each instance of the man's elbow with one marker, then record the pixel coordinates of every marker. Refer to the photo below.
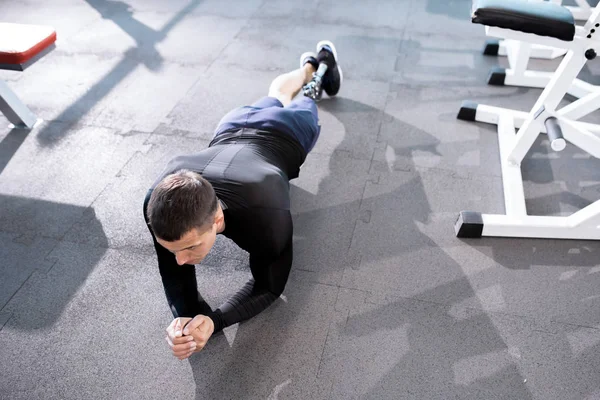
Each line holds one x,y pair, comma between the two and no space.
277,289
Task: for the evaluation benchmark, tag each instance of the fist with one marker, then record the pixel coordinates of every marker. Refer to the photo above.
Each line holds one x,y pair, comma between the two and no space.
181,346
200,329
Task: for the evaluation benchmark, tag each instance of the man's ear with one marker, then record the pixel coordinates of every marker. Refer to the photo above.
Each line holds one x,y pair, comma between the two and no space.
219,217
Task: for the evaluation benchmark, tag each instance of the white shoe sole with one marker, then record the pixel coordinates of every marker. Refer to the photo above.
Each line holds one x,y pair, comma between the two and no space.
332,47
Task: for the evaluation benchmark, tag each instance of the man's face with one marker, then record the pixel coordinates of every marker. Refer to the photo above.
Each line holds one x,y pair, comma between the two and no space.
193,246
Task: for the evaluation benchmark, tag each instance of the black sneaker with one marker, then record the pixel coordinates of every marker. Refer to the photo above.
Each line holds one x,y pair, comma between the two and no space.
309,57
332,80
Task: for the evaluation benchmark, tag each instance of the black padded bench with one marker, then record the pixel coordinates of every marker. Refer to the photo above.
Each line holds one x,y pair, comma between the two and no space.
540,18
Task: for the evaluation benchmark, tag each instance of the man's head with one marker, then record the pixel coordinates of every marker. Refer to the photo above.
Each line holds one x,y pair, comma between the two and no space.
185,216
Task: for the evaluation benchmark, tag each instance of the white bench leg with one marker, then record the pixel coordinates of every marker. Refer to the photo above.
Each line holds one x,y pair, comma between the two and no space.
517,131
14,109
529,226
583,224
537,50
518,56
550,98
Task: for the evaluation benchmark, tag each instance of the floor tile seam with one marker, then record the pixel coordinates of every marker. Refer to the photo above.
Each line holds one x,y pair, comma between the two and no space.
345,23
106,98
398,54
272,68
115,178
59,37
321,358
478,309
533,320
282,69
76,124
131,250
237,34
315,20
381,111
349,154
47,253
120,56
100,103
192,135
454,174
195,12
116,131
137,250
448,34
322,361
381,118
448,86
177,103
19,289
37,235
315,11
6,322
409,14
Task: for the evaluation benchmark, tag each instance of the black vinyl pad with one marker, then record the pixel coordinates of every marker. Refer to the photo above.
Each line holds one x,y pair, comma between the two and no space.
540,18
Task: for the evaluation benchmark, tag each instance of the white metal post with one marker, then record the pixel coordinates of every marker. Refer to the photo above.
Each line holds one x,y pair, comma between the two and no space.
549,99
514,196
580,137
581,107
588,216
520,59
14,109
584,224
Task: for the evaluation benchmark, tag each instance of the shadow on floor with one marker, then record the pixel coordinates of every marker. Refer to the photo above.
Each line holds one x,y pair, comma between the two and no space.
430,365
144,53
39,295
10,145
457,9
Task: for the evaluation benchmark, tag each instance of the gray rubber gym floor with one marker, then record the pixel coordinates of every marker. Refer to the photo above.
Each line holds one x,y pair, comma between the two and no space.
383,300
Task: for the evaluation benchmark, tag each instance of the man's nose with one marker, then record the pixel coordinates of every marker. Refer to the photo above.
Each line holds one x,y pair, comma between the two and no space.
181,259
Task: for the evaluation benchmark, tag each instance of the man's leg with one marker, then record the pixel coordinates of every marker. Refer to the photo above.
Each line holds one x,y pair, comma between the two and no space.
279,112
281,92
299,117
286,86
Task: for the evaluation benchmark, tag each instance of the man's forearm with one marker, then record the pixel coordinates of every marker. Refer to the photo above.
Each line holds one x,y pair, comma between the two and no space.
249,301
183,297
269,279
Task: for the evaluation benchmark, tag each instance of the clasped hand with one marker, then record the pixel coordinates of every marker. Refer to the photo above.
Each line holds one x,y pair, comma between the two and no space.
189,340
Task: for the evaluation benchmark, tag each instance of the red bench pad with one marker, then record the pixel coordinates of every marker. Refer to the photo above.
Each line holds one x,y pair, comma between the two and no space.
21,42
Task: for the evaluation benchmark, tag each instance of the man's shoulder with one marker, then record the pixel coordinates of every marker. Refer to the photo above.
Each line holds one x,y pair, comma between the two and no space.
192,161
270,193
259,230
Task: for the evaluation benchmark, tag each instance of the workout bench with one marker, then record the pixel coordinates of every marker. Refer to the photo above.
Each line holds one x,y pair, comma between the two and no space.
20,46
520,52
552,25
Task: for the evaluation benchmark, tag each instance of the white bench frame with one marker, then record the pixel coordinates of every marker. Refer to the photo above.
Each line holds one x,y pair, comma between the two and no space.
519,52
17,113
517,131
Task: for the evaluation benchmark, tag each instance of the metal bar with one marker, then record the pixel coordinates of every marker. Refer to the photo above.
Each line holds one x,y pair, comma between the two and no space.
14,109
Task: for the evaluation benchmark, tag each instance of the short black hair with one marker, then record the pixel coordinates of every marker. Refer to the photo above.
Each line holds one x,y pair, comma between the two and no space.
181,201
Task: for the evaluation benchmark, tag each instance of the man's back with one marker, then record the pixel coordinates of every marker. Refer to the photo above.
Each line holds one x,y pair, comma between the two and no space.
243,175
239,187
250,175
